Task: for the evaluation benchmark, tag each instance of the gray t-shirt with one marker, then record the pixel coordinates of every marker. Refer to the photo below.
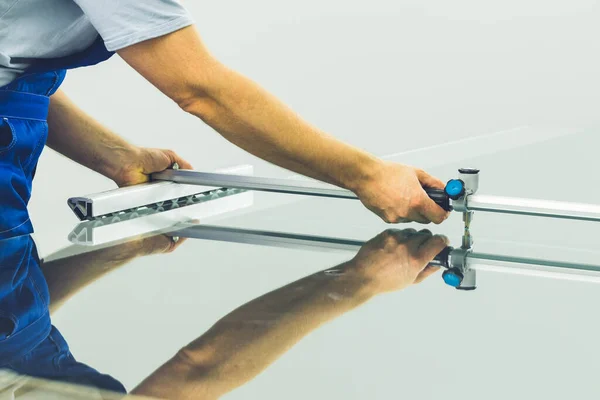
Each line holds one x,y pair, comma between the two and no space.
39,29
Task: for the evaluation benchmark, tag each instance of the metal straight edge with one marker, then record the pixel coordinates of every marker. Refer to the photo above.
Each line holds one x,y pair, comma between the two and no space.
127,198
534,207
262,184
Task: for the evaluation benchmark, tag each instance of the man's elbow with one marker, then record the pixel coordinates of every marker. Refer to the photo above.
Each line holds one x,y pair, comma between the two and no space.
197,102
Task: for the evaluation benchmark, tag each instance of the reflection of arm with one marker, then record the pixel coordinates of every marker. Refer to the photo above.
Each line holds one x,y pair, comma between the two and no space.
246,341
67,276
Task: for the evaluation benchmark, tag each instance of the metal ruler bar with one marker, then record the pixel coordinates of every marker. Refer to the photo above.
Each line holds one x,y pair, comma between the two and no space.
534,207
274,185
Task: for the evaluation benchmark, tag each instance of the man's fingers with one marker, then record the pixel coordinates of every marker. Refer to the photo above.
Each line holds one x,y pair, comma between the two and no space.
183,164
416,241
176,241
175,158
431,247
420,218
429,181
427,272
401,235
431,210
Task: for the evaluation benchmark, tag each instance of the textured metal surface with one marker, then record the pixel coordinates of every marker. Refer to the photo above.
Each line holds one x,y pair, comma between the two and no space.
142,197
159,217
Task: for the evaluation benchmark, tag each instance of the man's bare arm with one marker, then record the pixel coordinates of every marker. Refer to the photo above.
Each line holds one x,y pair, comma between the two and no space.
245,114
81,138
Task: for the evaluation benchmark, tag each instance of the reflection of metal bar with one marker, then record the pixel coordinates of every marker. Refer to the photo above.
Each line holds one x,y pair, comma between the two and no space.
534,267
541,208
474,261
268,238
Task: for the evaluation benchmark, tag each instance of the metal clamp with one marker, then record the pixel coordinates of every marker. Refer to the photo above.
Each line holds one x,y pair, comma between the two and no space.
470,180
458,274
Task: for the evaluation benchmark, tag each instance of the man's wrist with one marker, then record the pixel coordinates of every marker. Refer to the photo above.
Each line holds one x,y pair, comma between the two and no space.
119,160
356,282
365,171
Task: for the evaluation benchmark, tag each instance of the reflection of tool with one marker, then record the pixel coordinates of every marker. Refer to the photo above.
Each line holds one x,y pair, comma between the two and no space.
460,264
459,274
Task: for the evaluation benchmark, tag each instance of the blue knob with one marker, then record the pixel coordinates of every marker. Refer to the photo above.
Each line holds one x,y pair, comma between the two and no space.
455,189
452,278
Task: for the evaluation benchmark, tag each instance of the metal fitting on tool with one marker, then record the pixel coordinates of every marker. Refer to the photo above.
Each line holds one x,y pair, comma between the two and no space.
460,189
467,238
458,274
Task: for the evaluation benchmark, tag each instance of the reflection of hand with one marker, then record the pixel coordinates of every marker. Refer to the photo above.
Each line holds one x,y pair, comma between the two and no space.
145,161
396,259
395,193
159,244
68,275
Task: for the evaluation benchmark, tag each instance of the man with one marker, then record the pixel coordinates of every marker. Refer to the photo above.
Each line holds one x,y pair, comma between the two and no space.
40,39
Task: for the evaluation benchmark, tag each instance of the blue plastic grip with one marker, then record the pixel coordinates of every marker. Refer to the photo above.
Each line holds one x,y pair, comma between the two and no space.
451,279
455,188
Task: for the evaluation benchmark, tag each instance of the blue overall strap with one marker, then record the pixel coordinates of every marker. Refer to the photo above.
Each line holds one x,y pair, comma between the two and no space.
93,55
23,105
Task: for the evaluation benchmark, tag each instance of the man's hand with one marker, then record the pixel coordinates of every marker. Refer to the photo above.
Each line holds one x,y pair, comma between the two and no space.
145,161
395,193
396,259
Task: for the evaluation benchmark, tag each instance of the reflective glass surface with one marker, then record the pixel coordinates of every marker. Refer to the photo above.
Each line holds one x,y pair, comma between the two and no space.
313,297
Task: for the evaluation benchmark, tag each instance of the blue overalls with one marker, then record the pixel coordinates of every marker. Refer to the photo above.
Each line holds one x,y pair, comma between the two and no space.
23,132
29,344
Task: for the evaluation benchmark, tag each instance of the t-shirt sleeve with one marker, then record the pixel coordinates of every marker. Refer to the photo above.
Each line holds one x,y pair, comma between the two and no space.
122,23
